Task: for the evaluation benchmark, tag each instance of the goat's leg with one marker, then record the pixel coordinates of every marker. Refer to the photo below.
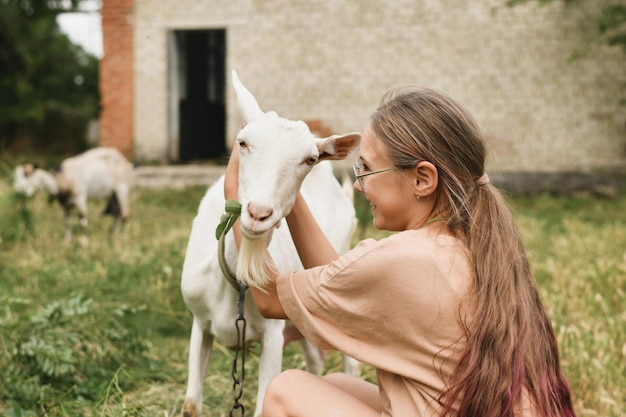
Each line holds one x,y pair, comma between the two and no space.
117,207
271,359
200,348
116,225
82,221
67,214
122,193
351,366
313,357
81,207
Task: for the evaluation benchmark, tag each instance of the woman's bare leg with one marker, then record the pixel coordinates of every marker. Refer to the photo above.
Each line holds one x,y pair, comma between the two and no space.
296,393
359,388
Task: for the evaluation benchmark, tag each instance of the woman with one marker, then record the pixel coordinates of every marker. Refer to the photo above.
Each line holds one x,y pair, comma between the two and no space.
445,309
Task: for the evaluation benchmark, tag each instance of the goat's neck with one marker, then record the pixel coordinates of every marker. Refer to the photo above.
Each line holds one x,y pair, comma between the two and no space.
46,181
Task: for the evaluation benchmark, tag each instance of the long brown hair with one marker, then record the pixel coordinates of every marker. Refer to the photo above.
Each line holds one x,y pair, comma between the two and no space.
512,347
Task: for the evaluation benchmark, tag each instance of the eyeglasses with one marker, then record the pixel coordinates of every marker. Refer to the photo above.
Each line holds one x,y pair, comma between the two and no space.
358,165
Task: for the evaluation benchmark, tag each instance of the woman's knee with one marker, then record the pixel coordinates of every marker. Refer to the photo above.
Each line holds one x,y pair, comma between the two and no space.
335,378
299,393
282,391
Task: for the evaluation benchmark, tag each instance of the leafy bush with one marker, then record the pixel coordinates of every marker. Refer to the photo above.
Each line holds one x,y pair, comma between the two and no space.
67,351
16,217
16,220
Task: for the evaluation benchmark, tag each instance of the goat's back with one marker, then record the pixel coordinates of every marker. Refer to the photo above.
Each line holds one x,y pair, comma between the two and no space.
97,172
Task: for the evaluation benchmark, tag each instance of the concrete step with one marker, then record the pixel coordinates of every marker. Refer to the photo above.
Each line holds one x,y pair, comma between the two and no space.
177,176
181,176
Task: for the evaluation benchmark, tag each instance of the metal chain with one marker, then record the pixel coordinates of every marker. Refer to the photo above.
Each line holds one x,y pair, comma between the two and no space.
233,210
238,369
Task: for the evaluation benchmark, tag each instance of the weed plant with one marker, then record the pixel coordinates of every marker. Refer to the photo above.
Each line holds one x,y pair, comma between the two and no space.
102,330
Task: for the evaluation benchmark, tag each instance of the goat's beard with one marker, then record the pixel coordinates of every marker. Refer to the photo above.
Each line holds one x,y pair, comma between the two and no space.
254,265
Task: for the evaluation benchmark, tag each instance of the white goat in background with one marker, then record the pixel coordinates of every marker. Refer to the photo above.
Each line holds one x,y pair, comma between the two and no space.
100,173
282,158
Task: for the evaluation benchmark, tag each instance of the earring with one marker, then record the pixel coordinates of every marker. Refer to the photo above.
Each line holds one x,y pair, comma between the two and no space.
417,197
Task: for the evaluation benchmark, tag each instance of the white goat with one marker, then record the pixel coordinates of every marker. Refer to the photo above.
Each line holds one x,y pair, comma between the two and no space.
96,173
281,158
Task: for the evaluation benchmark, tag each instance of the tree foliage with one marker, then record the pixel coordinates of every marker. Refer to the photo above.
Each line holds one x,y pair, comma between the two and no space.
610,23
607,19
613,24
49,85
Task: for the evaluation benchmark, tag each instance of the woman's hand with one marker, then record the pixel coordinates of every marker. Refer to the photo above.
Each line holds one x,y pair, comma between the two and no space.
231,179
231,187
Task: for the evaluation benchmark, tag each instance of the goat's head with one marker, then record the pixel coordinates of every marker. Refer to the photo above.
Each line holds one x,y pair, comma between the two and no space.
23,180
276,154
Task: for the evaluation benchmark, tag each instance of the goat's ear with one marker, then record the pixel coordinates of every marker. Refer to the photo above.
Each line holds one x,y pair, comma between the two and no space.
247,103
338,146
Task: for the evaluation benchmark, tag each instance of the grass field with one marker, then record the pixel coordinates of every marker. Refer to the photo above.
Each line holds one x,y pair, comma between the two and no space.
103,330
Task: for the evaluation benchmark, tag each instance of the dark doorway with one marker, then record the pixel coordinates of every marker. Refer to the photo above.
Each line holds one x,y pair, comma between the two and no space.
201,107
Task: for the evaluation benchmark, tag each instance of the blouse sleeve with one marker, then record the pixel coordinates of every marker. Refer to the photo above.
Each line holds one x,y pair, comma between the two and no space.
380,291
322,300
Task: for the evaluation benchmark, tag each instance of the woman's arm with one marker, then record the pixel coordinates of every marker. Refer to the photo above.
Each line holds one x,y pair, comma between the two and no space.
312,244
266,300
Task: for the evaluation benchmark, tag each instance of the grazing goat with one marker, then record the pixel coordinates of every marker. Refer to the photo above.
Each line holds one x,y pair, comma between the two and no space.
96,173
281,158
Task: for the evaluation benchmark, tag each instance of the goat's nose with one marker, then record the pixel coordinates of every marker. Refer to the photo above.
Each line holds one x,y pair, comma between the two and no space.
259,212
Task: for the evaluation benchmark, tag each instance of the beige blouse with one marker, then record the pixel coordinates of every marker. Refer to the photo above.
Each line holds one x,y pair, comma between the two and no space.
393,304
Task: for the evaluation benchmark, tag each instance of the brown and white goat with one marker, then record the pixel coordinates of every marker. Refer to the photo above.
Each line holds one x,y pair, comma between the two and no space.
282,158
99,173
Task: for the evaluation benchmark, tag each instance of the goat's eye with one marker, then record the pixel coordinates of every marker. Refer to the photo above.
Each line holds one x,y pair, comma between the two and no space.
312,160
243,144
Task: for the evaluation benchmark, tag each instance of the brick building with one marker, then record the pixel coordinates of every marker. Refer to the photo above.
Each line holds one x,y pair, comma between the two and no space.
167,97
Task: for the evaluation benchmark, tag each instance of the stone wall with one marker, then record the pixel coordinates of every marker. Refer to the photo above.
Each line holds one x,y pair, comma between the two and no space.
331,60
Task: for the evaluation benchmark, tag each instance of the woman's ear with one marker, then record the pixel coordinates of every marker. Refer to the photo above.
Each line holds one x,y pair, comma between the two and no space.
425,179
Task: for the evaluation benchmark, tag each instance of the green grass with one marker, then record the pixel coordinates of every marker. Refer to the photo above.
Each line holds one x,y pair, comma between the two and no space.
103,330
